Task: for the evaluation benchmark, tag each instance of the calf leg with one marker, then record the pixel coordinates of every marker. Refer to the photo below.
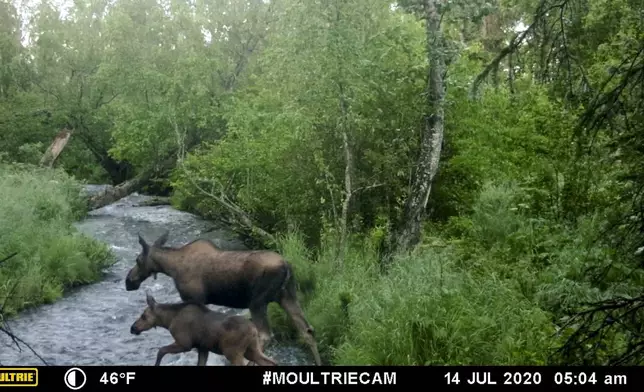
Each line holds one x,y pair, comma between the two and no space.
255,354
203,358
260,359
235,356
259,315
173,348
237,360
293,309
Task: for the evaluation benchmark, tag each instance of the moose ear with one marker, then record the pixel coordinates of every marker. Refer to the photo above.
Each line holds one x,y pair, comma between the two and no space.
143,244
150,300
162,240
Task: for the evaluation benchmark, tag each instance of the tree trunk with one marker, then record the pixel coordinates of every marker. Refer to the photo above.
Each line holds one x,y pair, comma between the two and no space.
492,38
407,234
348,169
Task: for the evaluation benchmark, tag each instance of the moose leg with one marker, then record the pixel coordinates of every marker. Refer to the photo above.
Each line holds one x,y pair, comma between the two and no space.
293,309
173,348
259,315
203,358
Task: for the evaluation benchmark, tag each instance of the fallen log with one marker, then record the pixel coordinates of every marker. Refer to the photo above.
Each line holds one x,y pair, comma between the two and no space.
156,201
115,193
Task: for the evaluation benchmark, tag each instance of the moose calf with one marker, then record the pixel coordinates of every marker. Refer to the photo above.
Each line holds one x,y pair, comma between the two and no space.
194,326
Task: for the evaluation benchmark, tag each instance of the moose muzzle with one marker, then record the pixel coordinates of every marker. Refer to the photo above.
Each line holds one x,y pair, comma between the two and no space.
131,285
134,330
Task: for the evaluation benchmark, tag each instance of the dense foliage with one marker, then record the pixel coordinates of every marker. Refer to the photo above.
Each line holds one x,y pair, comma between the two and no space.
304,119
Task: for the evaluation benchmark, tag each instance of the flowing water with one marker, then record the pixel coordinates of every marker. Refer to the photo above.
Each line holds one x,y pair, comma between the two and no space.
91,324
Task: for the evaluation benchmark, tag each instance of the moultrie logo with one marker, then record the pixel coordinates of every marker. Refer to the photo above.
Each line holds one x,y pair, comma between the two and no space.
18,377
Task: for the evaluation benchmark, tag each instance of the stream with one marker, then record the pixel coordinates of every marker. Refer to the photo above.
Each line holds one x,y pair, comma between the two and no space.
90,325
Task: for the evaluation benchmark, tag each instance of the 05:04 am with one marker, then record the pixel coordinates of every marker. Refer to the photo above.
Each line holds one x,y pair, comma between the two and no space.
572,378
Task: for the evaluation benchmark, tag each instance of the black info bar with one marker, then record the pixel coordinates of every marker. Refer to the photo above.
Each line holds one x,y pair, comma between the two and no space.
403,378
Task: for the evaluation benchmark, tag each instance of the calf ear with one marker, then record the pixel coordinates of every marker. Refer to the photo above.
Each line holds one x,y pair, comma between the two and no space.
144,245
150,300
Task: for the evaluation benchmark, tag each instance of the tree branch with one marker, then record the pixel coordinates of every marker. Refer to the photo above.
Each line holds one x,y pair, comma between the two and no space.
7,258
514,44
235,210
613,313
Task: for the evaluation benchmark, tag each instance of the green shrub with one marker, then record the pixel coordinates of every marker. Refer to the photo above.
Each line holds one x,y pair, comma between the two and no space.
553,263
37,211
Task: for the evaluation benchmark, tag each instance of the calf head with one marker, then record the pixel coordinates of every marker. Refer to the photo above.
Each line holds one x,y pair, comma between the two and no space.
145,265
148,318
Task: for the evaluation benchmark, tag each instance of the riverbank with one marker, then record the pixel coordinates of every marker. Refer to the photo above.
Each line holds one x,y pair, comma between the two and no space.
38,208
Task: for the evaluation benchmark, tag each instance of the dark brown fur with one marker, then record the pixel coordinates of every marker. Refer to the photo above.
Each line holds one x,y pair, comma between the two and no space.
194,326
237,279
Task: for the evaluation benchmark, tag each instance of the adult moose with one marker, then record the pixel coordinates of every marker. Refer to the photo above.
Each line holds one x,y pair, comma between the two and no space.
204,274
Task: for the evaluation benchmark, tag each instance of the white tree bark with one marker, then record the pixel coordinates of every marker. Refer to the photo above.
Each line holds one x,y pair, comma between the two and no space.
409,230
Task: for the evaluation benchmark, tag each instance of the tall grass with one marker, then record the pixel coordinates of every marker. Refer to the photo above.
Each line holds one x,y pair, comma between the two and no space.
426,310
37,209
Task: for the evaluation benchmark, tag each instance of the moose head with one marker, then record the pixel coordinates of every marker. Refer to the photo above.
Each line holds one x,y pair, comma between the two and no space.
145,264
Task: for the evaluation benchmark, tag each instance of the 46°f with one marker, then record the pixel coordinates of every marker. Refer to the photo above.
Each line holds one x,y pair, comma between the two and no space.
452,378
114,377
